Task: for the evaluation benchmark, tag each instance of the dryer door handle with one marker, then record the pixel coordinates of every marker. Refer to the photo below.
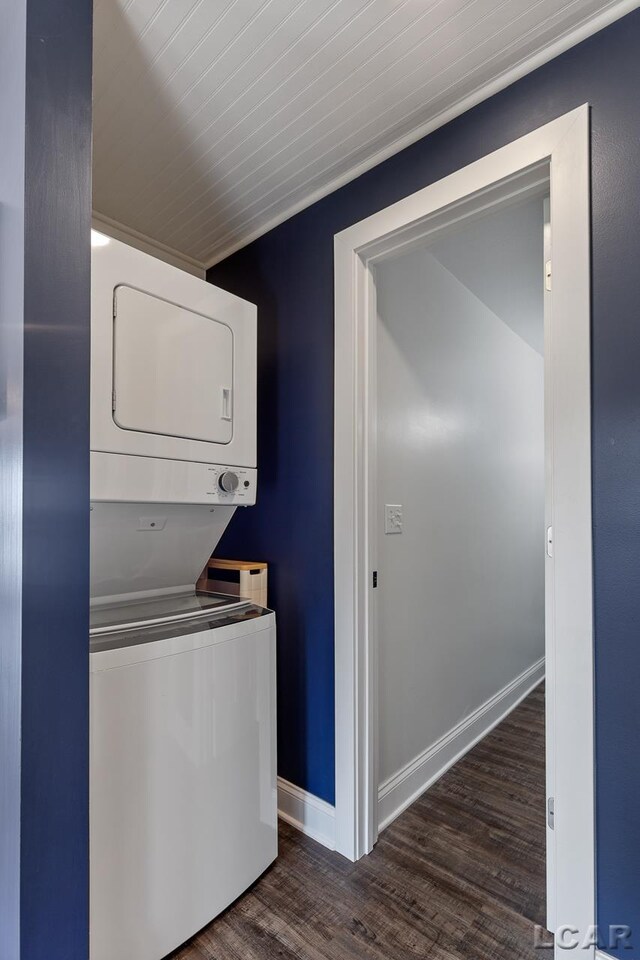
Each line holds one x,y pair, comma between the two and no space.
226,404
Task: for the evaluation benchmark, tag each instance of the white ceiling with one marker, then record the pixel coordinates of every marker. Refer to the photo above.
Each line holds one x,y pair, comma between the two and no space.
214,120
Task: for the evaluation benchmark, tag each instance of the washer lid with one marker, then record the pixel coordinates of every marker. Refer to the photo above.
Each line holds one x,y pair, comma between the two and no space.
147,611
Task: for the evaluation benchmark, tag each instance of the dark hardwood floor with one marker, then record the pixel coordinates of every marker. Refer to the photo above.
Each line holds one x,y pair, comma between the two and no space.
459,876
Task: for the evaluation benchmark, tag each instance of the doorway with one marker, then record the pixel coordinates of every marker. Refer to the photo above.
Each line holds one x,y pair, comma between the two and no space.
459,483
552,159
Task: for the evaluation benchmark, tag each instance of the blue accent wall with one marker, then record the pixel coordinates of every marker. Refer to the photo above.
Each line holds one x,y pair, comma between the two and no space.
54,886
45,219
289,274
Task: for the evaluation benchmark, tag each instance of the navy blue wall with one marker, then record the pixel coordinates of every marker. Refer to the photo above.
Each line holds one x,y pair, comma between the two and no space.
289,274
45,218
54,851
292,526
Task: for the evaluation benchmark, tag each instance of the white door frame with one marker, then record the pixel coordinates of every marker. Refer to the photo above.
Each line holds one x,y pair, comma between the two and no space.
558,152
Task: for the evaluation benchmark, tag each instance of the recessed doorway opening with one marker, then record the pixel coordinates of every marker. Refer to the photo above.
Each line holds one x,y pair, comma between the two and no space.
460,490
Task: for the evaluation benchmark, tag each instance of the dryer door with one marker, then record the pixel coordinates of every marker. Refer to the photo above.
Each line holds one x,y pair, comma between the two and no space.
172,369
173,379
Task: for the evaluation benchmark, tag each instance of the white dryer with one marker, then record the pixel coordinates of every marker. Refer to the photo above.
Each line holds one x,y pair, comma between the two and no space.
183,759
173,384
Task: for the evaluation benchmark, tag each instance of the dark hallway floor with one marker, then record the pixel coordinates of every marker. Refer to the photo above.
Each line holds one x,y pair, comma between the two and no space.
460,874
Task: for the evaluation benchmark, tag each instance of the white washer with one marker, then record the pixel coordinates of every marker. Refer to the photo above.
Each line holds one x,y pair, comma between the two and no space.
183,806
183,769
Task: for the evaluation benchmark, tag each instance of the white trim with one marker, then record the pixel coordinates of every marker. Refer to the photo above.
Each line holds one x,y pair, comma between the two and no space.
119,231
561,148
307,813
549,580
399,792
593,25
601,955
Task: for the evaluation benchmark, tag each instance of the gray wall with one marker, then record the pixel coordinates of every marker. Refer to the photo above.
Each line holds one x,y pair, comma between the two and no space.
499,257
12,124
461,447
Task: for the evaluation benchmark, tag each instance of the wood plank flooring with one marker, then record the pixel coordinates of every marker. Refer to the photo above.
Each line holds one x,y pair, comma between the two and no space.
459,876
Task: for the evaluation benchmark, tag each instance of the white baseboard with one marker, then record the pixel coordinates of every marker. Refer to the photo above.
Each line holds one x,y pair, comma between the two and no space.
399,791
307,813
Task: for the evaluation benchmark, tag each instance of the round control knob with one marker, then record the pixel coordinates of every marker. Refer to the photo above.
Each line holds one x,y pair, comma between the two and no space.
228,481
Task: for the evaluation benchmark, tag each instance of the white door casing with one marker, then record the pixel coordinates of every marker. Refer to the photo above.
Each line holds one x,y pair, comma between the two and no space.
549,699
558,154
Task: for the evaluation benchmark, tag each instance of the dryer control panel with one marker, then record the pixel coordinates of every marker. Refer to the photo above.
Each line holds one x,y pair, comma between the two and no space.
153,480
233,485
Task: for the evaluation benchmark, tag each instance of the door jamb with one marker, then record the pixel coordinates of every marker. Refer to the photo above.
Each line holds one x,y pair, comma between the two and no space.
562,149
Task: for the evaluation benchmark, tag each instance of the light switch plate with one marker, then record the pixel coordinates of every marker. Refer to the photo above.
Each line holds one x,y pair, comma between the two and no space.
393,518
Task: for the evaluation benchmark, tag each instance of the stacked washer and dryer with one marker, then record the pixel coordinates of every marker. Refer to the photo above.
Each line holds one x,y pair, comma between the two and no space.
183,756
